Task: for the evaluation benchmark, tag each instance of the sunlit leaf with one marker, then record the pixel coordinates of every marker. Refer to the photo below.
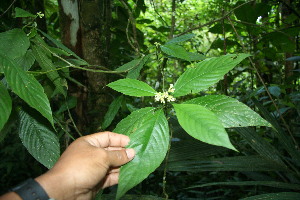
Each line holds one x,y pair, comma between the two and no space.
5,105
202,124
149,136
39,140
26,87
206,73
175,51
132,87
181,38
230,112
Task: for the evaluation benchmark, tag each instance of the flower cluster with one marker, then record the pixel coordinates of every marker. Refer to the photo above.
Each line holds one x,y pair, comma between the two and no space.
40,14
165,96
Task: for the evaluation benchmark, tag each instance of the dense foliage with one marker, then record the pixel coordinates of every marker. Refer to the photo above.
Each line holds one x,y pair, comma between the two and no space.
226,59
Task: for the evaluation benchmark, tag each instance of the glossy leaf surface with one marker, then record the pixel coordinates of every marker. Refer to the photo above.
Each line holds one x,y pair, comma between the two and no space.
206,73
132,87
202,124
149,136
230,112
39,140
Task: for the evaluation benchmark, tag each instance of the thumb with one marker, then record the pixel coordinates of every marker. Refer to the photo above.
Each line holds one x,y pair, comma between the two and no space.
120,157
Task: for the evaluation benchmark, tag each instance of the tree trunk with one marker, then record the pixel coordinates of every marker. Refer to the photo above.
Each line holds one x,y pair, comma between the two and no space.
85,30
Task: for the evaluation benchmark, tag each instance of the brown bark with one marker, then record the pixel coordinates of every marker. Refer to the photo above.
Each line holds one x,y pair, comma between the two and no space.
288,70
71,37
95,22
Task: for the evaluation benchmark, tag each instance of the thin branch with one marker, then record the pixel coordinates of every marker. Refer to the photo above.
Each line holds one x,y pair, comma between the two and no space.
8,8
133,24
262,25
173,19
154,8
216,20
264,85
166,165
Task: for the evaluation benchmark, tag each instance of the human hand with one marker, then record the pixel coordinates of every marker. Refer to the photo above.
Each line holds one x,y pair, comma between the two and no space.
89,164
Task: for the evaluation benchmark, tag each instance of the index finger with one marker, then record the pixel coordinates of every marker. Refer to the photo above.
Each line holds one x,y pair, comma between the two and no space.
107,139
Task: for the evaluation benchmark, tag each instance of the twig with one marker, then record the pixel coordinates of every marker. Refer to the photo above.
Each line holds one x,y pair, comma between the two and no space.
264,85
173,19
261,25
166,166
154,8
216,20
8,8
73,122
133,24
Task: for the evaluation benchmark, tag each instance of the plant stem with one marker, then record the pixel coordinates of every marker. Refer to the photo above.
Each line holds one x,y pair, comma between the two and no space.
166,165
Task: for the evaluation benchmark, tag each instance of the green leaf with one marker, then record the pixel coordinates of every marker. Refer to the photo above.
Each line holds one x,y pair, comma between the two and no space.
39,140
22,13
63,47
175,51
26,87
39,47
112,111
70,103
5,105
149,136
260,144
135,71
14,43
181,38
256,183
202,124
237,163
229,111
206,73
131,197
195,56
285,141
275,196
129,66
132,87
275,90
25,61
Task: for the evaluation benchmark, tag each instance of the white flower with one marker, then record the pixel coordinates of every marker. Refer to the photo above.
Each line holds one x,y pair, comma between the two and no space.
163,96
40,14
171,88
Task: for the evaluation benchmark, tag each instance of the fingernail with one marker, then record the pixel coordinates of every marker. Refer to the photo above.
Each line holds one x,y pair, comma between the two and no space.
130,153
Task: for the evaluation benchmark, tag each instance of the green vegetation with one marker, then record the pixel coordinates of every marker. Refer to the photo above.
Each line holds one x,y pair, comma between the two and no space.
208,92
